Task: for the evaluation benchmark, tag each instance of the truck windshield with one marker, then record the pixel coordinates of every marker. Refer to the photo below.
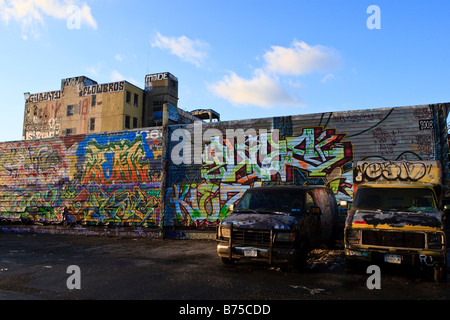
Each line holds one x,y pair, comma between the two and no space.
271,201
395,199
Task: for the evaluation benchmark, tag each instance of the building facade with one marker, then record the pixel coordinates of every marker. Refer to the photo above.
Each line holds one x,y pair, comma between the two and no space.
82,106
160,88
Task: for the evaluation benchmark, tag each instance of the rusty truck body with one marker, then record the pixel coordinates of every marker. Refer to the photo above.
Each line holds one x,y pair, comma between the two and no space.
278,224
397,216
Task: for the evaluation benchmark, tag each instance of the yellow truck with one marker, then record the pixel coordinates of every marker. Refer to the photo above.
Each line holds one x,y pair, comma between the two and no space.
397,216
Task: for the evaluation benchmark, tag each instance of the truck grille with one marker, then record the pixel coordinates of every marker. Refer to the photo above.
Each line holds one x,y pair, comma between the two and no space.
251,237
394,239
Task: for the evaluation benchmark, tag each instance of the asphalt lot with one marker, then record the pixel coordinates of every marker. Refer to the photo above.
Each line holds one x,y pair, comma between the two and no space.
35,266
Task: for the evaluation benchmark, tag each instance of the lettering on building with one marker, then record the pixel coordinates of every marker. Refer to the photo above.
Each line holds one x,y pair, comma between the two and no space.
43,96
104,88
72,81
158,77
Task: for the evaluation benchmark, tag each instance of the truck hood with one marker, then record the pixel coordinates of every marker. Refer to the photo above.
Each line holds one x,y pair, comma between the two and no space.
260,221
398,219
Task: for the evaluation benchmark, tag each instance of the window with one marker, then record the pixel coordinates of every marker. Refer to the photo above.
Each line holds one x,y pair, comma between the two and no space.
68,132
70,110
127,122
135,122
271,200
128,97
395,199
92,124
136,99
93,100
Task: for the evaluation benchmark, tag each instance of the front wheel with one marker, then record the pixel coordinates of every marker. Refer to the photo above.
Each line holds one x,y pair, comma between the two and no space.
355,267
300,258
440,273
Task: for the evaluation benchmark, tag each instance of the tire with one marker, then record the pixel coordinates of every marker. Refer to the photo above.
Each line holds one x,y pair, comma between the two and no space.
354,266
440,273
350,266
299,261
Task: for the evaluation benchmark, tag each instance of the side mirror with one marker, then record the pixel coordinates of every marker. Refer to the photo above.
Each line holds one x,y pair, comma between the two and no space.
315,211
446,209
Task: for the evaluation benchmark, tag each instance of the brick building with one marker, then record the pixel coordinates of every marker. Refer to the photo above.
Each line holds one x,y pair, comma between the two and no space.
82,106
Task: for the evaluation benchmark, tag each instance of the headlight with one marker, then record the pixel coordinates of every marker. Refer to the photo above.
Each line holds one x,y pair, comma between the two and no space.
224,232
285,236
435,240
352,235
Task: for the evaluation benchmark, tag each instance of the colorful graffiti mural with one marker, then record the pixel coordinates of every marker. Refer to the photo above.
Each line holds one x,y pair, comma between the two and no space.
138,205
316,156
206,203
316,152
31,163
117,159
90,179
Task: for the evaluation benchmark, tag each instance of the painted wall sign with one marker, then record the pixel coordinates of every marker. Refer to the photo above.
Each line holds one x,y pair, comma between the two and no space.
104,88
158,77
43,96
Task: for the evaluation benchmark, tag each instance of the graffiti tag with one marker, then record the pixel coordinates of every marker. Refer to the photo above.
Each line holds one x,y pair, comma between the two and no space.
424,171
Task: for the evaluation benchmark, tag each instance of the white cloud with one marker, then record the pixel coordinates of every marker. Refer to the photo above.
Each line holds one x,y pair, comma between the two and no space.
117,76
328,77
300,59
262,90
95,69
193,51
295,84
86,16
32,13
119,57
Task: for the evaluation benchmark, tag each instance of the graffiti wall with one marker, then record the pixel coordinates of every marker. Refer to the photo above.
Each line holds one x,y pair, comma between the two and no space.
111,178
116,178
214,163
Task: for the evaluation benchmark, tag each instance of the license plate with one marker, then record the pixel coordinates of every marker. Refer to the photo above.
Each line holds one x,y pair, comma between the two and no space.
357,253
250,252
392,258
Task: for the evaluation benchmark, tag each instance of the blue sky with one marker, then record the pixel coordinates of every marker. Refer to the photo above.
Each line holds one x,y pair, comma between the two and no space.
243,58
